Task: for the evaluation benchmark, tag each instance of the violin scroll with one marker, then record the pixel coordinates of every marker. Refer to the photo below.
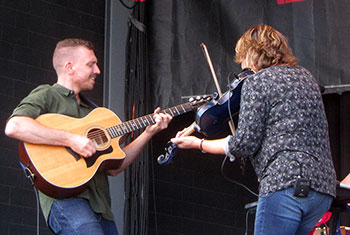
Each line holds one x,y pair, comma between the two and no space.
171,147
170,150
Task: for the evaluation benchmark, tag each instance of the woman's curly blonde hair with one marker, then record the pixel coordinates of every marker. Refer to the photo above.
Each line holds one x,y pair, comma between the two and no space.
263,47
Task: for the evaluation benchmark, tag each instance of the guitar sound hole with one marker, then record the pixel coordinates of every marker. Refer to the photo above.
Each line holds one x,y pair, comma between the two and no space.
98,137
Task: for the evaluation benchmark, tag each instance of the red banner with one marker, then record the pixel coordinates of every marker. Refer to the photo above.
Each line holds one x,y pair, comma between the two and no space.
287,1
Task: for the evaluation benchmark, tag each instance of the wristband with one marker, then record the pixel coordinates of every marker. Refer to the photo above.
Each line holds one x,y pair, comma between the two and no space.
201,146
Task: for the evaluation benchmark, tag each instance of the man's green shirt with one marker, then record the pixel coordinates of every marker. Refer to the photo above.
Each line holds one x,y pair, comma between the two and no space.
58,99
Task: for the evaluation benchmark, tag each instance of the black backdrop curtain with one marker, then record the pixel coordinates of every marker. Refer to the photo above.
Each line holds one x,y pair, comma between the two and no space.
338,115
137,104
318,31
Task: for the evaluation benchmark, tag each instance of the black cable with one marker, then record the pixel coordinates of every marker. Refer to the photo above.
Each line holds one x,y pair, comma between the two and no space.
233,181
29,175
37,211
247,220
223,162
300,167
128,7
228,80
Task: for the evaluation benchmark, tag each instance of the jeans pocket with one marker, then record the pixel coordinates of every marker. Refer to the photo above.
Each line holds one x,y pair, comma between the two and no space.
53,224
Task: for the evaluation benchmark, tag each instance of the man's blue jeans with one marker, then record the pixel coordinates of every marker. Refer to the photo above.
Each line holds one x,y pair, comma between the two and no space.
282,213
75,216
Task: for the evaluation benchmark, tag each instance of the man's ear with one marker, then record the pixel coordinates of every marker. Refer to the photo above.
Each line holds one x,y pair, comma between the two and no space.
68,67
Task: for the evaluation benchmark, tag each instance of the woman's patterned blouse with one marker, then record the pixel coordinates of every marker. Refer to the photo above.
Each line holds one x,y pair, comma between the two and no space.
283,129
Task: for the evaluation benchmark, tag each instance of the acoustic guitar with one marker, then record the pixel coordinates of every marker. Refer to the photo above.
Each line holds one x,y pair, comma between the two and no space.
59,172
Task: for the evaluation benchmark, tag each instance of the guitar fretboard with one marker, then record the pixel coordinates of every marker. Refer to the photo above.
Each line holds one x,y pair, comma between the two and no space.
141,122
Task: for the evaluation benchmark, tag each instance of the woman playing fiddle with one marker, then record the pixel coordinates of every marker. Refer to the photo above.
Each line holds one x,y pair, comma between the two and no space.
282,129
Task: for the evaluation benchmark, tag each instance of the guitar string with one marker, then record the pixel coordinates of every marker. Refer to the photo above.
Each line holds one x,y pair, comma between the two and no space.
130,125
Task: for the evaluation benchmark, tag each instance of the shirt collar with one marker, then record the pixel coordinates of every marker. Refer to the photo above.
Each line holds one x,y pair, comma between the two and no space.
63,90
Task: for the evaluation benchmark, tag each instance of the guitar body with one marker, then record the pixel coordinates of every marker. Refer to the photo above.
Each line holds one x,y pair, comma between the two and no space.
59,172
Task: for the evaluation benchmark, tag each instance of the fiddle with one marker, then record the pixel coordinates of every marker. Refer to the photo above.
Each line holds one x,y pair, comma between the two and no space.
211,116
216,114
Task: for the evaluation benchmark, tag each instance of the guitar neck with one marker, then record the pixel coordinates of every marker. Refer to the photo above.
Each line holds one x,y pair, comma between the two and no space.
144,121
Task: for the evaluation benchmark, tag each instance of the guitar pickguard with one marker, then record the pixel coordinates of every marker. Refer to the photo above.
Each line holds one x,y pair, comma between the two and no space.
90,161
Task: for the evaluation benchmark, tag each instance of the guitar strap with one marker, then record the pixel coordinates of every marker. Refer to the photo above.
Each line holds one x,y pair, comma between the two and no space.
88,101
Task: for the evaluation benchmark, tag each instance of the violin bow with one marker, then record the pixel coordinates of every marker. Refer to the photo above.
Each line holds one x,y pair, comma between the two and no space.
171,148
211,67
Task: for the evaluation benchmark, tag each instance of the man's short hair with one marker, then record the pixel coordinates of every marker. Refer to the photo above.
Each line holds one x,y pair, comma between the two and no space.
64,48
75,42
